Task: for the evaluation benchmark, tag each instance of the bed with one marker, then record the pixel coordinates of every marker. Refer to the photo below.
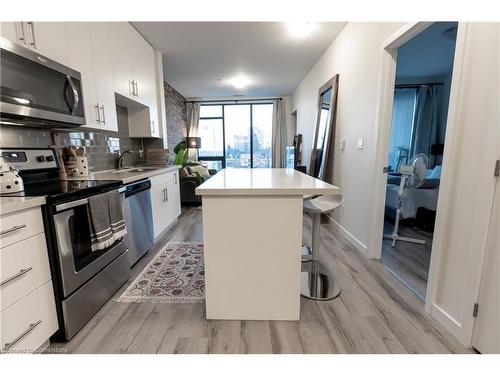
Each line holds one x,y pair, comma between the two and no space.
426,196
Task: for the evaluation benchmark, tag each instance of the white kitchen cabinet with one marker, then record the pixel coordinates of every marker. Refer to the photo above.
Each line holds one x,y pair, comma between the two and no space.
88,53
104,76
165,200
46,38
13,32
28,313
81,59
160,98
120,36
174,197
134,75
143,66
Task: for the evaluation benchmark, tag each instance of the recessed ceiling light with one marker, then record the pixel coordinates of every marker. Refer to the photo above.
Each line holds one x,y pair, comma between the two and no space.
240,81
301,29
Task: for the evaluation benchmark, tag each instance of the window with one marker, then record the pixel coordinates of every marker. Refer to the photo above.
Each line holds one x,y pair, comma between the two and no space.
210,130
236,135
262,119
403,113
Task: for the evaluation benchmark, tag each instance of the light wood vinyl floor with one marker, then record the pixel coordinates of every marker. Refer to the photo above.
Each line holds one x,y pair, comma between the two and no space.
374,314
409,262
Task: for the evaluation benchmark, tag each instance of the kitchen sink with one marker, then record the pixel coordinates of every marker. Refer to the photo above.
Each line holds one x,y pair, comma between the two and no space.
136,170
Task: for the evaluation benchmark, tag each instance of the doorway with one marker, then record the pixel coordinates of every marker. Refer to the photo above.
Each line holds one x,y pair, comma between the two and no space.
424,68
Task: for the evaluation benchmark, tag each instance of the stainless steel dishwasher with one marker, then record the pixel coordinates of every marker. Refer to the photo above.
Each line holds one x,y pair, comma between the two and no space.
138,216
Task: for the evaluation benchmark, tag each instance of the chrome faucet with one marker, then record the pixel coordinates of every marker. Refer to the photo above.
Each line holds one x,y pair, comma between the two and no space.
120,158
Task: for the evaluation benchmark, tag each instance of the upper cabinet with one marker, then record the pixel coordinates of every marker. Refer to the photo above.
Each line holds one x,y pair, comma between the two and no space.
87,49
46,38
135,76
112,58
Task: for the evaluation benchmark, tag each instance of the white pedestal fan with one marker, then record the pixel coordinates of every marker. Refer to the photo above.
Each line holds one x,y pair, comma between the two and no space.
412,177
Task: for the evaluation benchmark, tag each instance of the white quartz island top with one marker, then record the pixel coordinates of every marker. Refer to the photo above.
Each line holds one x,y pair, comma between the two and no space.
264,181
14,204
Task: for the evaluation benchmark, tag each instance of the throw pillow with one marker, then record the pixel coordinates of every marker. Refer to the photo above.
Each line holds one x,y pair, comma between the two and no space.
200,169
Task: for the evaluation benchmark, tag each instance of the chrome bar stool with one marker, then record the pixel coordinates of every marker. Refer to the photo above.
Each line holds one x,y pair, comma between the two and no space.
316,285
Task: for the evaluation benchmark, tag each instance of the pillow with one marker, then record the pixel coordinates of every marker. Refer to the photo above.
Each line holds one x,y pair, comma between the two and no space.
184,172
430,183
200,169
436,172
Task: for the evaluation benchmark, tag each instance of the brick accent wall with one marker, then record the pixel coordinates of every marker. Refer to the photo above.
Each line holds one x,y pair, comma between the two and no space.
176,117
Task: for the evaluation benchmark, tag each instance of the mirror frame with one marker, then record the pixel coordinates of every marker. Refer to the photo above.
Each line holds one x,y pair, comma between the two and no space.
333,83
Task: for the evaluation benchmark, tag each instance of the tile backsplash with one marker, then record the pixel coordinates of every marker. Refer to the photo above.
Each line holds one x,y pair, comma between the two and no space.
101,147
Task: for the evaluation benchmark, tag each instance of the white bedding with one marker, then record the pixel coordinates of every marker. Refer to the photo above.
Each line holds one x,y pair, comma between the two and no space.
412,200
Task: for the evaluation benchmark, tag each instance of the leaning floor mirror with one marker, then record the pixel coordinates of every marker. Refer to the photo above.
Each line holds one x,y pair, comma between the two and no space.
325,130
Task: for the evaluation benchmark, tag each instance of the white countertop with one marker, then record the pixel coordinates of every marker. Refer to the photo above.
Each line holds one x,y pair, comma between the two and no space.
14,204
260,181
126,175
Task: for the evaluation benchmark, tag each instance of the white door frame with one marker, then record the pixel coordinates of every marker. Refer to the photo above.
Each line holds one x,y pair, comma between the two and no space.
384,121
384,118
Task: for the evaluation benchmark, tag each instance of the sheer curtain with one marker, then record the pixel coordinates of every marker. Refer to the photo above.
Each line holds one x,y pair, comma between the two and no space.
279,135
426,123
402,125
193,121
193,118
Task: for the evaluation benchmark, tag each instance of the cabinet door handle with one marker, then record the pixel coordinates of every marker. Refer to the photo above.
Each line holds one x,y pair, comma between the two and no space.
103,115
9,345
32,28
13,229
22,36
17,275
136,89
131,87
98,113
166,194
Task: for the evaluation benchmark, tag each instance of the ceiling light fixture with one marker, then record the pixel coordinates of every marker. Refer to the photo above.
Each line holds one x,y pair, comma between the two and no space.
300,30
240,82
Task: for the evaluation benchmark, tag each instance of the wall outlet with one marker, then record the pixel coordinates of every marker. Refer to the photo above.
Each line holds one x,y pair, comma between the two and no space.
342,144
360,144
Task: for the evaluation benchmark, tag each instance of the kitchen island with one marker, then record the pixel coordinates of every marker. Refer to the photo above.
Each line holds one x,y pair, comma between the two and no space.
252,232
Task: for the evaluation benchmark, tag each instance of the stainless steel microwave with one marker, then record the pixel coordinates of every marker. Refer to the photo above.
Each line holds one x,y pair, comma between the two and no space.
37,91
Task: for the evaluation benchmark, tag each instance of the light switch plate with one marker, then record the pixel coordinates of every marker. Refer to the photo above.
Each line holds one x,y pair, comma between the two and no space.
360,144
342,144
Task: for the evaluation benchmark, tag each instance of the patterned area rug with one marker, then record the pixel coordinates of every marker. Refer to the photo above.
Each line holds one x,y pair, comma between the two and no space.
175,275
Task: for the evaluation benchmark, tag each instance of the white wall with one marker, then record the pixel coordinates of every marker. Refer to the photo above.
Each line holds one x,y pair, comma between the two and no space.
467,184
472,146
356,56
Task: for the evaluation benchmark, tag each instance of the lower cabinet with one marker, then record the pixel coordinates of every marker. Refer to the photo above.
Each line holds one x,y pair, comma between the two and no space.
28,312
28,323
166,200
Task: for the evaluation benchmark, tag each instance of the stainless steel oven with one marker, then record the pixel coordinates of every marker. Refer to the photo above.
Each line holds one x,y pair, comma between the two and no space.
37,91
78,263
87,278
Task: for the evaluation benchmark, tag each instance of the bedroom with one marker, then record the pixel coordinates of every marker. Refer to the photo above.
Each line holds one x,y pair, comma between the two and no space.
420,107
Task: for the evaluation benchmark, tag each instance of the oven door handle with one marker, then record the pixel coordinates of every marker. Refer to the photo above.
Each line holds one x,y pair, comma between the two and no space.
76,96
65,206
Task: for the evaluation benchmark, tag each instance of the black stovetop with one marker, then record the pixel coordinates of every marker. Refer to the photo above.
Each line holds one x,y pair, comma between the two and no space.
64,190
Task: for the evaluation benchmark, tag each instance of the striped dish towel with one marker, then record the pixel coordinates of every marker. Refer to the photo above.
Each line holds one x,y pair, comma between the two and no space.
106,220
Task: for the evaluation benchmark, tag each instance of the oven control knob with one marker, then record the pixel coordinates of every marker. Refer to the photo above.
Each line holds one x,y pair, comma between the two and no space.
49,158
40,158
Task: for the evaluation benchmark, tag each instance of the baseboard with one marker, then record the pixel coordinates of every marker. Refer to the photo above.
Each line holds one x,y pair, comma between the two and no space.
361,247
452,325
